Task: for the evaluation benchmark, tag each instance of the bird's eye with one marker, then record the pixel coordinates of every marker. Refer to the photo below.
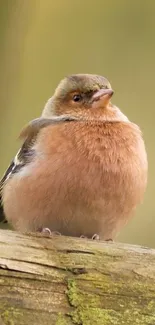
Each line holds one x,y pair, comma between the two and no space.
77,98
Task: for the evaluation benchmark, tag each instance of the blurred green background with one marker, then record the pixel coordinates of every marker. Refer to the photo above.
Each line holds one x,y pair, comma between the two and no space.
44,40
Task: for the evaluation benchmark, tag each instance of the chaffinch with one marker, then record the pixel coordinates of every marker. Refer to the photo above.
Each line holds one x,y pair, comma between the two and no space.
82,168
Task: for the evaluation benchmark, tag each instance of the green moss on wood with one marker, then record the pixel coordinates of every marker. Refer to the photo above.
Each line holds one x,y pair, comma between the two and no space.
88,309
61,320
10,316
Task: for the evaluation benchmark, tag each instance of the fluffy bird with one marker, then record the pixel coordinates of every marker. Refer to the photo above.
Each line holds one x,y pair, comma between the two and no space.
82,169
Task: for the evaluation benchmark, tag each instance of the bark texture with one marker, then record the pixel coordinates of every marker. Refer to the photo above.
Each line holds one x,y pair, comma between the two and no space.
65,281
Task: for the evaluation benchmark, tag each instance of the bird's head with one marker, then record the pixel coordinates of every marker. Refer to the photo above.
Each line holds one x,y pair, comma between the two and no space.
80,95
84,96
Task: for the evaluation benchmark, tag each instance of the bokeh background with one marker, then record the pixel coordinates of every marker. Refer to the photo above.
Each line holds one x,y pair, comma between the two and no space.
44,40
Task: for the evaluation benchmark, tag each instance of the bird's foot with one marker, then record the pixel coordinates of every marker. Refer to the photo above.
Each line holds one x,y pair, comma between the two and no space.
110,240
95,237
82,236
49,232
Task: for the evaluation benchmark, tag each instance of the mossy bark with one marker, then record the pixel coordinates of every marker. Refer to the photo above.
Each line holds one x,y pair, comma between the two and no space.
64,281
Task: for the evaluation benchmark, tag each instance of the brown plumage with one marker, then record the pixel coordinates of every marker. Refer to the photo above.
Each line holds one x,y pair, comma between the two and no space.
82,177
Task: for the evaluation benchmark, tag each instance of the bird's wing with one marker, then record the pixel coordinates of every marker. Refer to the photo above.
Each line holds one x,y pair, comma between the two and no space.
26,152
4,178
23,157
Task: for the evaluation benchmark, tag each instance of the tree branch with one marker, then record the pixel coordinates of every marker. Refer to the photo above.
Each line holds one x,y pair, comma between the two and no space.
66,281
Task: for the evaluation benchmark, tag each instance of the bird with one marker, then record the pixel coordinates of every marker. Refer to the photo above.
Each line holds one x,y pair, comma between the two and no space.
82,168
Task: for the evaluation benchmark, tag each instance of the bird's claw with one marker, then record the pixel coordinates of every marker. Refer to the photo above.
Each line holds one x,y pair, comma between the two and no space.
49,232
95,237
82,236
46,231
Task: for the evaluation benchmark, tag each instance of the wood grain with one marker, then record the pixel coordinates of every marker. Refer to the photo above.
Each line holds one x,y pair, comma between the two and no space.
64,281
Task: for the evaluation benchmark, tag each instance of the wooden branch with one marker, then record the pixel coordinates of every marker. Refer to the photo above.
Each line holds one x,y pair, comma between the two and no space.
66,281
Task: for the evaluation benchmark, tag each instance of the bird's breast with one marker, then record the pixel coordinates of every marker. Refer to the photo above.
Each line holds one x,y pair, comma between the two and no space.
112,145
104,157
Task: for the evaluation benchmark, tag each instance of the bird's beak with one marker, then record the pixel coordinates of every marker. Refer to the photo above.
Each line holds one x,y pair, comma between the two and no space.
102,97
